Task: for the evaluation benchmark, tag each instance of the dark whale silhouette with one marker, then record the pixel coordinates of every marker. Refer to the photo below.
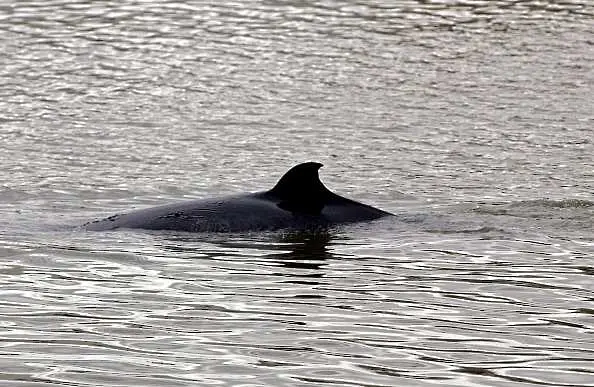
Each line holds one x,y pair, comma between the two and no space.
299,201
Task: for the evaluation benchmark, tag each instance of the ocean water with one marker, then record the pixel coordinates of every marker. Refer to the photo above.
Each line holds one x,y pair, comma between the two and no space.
471,121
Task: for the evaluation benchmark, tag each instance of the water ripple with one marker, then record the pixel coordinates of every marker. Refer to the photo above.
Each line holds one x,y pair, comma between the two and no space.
469,119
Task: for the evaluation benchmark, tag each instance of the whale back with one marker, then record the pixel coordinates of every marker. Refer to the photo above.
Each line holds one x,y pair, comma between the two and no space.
299,200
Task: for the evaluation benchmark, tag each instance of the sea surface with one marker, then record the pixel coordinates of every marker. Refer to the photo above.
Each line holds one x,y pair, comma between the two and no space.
472,121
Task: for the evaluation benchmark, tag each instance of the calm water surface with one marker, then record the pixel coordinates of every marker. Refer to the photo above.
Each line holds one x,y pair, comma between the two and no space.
470,120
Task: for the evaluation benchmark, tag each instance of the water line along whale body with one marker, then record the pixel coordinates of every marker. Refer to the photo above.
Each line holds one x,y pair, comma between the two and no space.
299,201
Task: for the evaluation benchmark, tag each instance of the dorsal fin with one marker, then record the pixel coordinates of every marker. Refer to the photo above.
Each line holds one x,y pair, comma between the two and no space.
300,189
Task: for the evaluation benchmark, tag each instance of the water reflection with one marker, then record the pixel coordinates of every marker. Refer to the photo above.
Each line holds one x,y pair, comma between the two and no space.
295,250
307,250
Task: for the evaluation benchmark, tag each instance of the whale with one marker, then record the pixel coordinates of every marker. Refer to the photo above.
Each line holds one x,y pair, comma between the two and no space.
299,201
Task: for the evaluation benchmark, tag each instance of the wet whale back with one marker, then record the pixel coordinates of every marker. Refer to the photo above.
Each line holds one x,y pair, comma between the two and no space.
232,213
299,201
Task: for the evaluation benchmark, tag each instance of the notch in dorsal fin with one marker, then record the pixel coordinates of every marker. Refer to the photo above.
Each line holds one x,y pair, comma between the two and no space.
301,191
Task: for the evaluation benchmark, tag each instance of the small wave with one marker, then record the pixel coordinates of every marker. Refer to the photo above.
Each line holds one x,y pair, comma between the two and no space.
570,218
481,230
526,207
546,203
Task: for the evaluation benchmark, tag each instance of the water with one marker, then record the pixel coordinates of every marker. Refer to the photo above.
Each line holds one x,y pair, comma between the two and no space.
470,120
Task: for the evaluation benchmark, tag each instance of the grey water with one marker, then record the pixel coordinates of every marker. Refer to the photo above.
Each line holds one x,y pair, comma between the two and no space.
470,120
